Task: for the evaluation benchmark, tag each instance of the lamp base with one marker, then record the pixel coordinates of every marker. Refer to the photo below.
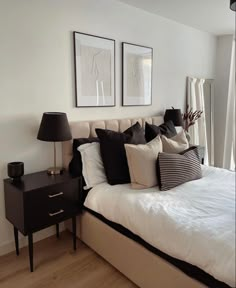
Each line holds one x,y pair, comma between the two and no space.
54,170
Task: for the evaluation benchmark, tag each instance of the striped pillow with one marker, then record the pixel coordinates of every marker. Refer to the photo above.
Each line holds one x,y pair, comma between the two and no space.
176,169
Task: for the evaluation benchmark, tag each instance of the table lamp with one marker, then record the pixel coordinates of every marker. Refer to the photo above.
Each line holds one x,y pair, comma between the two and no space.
233,5
175,116
54,127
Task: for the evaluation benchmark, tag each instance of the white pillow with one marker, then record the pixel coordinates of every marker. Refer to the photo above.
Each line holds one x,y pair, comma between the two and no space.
93,170
176,144
142,163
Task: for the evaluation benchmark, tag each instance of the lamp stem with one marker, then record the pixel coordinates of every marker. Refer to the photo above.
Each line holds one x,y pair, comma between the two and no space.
55,152
54,170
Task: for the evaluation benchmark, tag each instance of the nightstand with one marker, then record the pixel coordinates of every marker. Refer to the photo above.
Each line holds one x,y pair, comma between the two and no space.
40,200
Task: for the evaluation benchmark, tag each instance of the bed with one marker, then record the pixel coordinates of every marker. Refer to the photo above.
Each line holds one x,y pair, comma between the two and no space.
124,245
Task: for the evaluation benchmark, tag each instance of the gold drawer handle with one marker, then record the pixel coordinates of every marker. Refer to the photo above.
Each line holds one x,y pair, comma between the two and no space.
56,213
55,195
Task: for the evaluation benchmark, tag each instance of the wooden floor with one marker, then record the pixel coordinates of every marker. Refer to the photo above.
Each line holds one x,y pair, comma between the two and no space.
58,266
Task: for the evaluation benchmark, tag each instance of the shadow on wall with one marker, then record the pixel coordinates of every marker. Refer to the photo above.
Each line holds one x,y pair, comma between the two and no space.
19,143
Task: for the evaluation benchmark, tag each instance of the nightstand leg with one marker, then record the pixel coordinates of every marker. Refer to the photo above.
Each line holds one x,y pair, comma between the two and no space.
30,239
57,230
16,240
74,231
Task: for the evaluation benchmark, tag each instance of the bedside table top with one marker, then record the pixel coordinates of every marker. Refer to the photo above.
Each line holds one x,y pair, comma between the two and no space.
38,180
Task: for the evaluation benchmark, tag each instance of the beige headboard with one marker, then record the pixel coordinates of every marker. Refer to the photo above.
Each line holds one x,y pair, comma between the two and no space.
86,129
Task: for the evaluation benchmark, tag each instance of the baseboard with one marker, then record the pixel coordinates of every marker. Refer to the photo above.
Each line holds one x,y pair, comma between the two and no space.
9,246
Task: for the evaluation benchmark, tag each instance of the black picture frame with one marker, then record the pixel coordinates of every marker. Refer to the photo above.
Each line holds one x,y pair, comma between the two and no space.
133,102
80,100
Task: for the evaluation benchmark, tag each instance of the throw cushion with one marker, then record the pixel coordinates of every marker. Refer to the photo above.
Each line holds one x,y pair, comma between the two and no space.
113,151
176,169
176,144
92,166
167,129
142,163
75,166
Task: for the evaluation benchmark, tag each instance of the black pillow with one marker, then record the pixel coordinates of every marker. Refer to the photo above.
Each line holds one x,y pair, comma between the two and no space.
167,129
176,169
113,151
75,166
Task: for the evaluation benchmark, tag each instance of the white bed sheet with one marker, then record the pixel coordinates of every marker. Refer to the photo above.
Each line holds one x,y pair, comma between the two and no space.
194,222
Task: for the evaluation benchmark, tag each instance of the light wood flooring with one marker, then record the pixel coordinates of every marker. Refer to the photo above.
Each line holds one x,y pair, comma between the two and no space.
58,266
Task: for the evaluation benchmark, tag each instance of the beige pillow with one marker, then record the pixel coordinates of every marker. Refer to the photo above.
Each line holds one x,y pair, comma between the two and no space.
176,144
142,163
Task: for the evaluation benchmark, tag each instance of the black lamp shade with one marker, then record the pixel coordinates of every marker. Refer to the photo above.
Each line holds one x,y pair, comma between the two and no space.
54,127
233,5
175,116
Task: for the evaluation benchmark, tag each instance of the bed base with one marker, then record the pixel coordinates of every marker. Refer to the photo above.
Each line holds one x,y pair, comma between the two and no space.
144,268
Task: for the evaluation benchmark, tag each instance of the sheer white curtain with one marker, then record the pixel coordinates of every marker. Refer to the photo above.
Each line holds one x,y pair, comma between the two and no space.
229,142
195,100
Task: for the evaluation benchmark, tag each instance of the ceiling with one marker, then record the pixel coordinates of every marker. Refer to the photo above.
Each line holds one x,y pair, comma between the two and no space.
213,16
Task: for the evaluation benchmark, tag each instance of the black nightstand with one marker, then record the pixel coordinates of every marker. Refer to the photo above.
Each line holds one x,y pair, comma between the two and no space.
40,200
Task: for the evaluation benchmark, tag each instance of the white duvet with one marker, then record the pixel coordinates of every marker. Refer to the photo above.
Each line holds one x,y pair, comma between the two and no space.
194,222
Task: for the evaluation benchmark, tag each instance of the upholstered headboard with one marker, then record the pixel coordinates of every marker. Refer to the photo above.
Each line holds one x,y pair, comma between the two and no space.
85,129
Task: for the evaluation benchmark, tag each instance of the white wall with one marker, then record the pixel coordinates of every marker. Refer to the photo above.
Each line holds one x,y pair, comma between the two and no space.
36,70
223,60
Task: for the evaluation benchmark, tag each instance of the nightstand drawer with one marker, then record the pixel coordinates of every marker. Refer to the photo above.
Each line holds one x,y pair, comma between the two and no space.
50,205
43,218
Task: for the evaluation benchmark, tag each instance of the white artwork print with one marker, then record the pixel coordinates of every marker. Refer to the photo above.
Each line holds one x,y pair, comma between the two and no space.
96,76
137,75
94,70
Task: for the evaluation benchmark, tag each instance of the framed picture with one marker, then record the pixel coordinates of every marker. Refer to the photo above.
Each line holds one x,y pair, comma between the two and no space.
137,74
94,58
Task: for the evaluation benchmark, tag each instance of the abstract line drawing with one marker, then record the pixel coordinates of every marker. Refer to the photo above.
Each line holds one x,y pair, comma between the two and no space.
137,74
95,75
